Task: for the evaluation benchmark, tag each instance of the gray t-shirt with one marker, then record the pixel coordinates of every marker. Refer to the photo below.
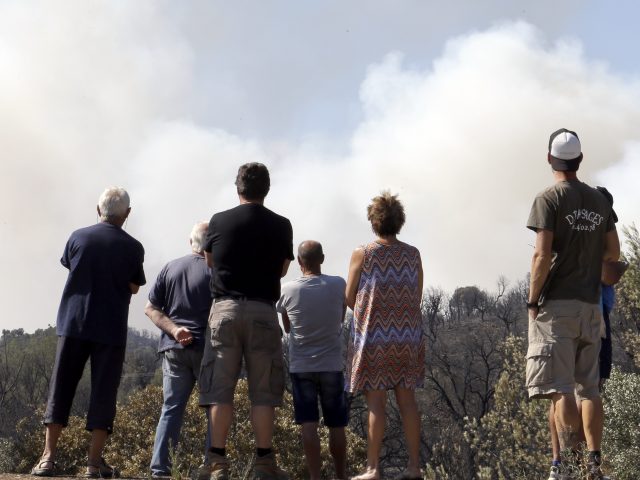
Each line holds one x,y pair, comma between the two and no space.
315,307
579,217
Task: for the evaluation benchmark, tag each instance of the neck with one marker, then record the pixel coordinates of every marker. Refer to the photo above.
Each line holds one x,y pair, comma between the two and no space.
387,239
118,222
564,176
311,272
201,254
244,201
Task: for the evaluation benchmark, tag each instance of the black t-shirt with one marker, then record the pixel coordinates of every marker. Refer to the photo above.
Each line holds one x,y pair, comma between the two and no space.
249,245
102,260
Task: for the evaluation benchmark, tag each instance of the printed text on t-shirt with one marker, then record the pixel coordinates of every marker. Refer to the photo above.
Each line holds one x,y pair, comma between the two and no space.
584,220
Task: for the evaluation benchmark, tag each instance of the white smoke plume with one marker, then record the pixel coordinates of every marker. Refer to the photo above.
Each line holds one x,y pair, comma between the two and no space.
106,95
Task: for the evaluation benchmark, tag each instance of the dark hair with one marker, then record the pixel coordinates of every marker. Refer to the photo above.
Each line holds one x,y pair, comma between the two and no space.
253,181
386,214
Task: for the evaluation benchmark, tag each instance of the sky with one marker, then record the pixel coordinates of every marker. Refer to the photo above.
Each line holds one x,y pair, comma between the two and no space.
448,104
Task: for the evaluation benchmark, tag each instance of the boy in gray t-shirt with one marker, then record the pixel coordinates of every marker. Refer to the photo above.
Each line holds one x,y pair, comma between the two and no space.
312,309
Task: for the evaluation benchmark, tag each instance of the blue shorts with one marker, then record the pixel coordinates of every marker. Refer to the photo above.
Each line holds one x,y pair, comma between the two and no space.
329,388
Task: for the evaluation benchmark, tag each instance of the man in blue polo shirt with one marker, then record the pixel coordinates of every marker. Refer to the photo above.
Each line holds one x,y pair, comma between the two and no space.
105,269
179,304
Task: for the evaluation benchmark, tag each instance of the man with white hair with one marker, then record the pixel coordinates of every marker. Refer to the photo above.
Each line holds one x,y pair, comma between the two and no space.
179,304
105,269
575,234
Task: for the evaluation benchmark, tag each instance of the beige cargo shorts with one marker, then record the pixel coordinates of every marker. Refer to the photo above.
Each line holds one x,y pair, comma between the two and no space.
564,349
249,330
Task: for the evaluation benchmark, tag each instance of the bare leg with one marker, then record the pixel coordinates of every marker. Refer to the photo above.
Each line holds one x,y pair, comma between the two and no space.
220,418
567,421
376,403
51,436
593,421
406,399
262,418
338,448
555,443
311,444
98,440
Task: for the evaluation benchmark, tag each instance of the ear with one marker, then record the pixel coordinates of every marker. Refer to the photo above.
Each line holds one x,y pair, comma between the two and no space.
549,158
322,259
128,212
299,261
98,209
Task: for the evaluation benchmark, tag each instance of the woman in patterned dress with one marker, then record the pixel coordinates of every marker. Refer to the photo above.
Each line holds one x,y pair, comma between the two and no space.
386,348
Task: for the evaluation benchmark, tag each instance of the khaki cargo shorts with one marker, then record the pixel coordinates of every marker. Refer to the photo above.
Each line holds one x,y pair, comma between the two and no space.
564,349
242,329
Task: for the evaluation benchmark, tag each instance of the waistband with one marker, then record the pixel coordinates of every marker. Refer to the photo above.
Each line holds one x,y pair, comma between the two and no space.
242,298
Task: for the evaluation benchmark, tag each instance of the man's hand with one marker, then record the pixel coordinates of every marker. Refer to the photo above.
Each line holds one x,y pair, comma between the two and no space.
182,335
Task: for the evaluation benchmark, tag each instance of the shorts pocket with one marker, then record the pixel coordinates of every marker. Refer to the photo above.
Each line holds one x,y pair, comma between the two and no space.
205,379
539,364
222,332
265,336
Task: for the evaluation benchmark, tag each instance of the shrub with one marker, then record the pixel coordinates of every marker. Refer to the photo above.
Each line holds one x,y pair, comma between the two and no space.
130,447
621,443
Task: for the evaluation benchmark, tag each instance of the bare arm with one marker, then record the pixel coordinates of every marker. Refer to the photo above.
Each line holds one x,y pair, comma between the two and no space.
540,266
164,323
134,288
611,247
355,269
285,321
285,267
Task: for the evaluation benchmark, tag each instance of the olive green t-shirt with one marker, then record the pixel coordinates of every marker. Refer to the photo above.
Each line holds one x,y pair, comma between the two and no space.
579,217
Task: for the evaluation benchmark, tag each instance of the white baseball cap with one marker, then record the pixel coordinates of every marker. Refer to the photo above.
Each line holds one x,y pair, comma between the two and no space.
565,150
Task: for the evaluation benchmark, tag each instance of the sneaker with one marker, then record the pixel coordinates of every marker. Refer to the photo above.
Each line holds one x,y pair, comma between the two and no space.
556,474
217,469
265,468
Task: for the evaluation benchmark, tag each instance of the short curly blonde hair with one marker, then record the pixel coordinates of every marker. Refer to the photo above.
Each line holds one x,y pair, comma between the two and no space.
386,214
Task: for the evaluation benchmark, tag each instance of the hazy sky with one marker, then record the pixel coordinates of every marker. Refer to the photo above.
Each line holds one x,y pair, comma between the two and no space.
449,104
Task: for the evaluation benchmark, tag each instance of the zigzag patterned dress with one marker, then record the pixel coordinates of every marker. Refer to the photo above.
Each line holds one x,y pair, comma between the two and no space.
386,347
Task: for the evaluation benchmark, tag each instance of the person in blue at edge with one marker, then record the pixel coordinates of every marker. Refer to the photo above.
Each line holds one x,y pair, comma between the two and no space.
105,269
179,304
611,274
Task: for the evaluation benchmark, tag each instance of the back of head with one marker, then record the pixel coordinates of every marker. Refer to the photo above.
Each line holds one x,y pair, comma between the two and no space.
253,181
113,204
310,254
565,151
198,236
386,214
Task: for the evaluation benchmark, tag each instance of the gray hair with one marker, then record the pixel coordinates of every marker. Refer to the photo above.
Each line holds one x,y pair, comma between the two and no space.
113,203
198,236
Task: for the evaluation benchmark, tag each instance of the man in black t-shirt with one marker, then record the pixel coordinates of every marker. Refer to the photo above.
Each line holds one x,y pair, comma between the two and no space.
249,248
105,269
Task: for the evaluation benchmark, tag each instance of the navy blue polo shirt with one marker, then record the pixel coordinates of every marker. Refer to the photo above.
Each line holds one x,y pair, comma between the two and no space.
182,292
102,260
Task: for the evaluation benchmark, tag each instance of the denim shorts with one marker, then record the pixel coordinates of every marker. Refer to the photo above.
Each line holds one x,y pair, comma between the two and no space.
329,388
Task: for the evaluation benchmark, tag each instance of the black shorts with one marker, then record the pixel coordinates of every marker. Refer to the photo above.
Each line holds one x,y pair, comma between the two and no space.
106,369
329,388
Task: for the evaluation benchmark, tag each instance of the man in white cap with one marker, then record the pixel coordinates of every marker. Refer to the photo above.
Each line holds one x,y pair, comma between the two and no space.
575,234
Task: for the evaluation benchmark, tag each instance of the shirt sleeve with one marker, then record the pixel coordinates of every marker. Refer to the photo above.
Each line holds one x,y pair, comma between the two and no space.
158,290
208,242
289,238
139,277
611,224
542,215
282,301
65,260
